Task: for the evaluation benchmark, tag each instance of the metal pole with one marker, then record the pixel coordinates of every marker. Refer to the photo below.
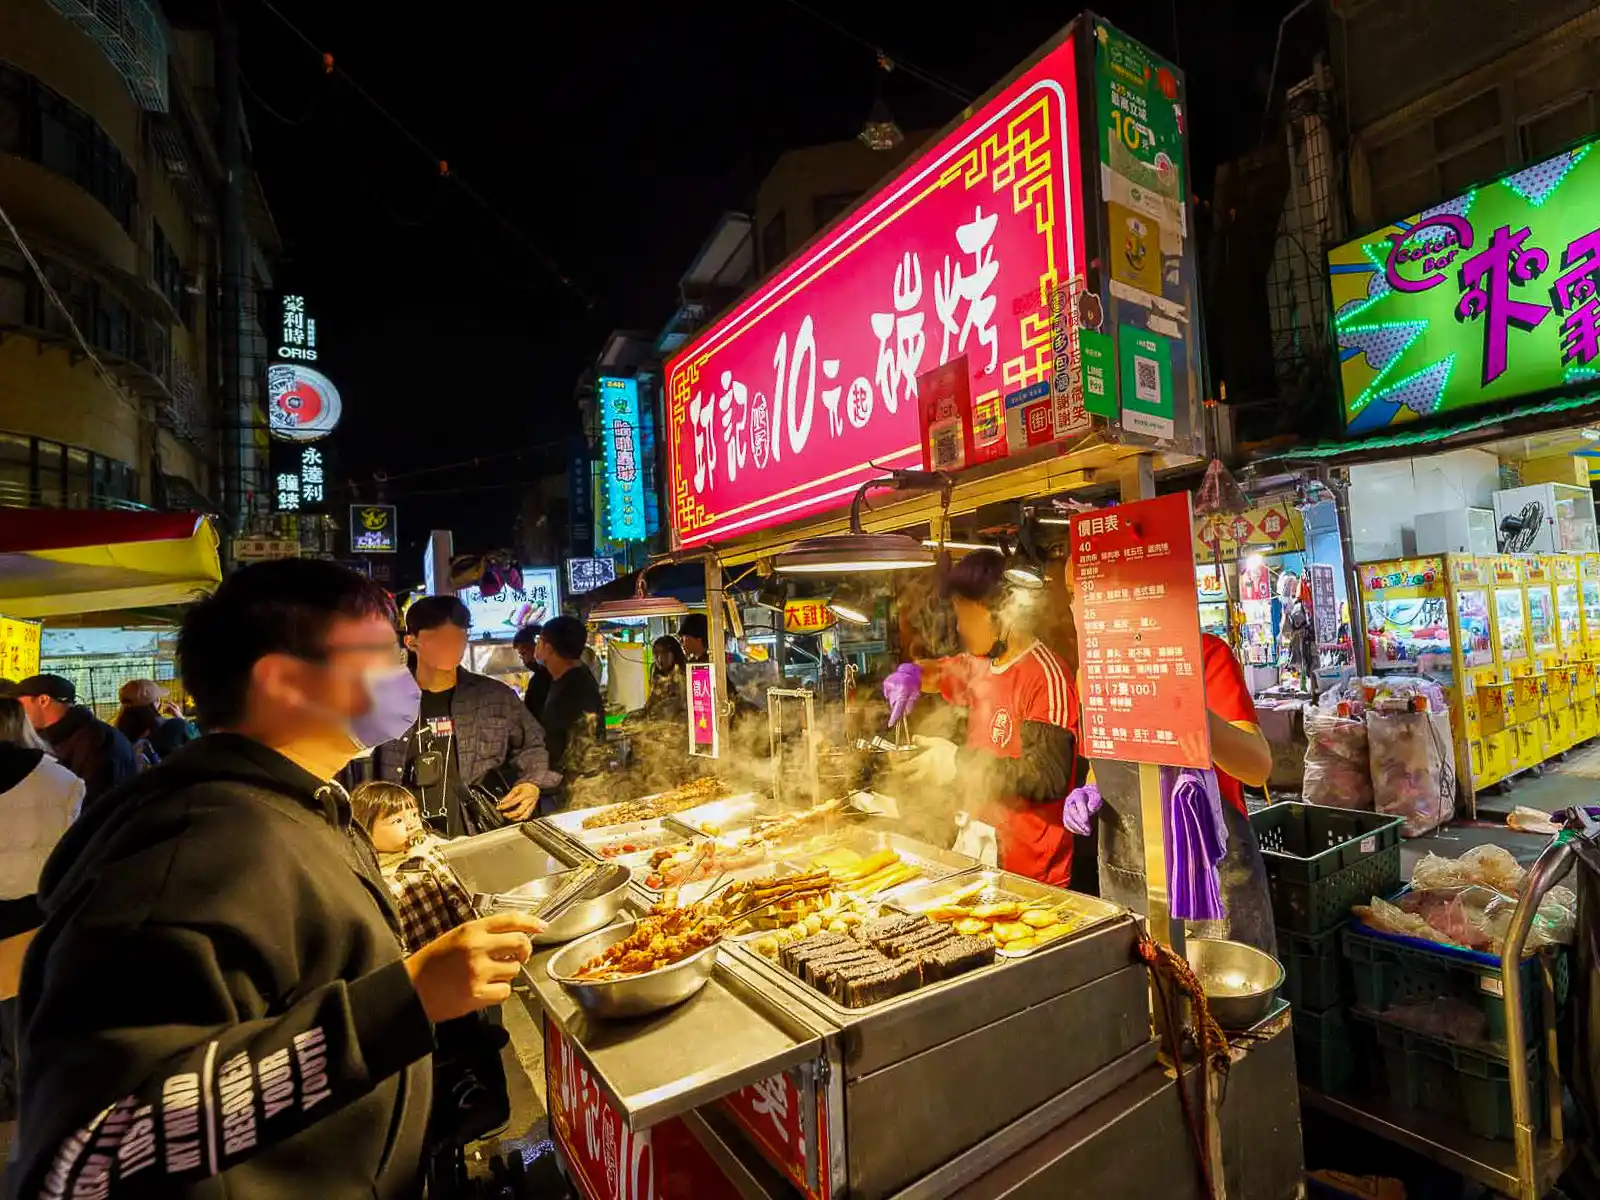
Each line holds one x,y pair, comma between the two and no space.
239,449
716,646
1360,651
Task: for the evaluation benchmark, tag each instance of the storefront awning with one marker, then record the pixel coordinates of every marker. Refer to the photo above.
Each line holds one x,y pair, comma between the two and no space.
57,562
1452,435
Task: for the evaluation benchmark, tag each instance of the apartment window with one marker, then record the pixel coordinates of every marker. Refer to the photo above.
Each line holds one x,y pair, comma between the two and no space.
774,241
167,271
47,472
80,493
16,470
1468,122
1460,171
1549,132
40,124
826,207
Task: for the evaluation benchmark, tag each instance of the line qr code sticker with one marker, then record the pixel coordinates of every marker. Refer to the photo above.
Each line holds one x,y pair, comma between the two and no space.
946,446
1146,380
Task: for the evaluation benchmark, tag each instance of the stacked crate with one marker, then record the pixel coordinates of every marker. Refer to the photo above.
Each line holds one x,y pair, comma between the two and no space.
1320,861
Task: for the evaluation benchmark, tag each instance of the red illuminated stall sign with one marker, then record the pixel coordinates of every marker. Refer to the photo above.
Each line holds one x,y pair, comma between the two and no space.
608,1160
1137,613
769,1112
810,386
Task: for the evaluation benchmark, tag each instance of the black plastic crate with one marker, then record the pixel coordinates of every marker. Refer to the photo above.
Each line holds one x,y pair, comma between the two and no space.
1315,975
1319,861
1323,1054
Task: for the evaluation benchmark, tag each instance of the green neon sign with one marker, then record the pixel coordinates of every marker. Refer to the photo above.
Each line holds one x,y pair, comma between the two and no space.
1491,296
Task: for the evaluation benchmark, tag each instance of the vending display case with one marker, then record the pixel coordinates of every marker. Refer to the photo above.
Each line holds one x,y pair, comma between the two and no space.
1211,584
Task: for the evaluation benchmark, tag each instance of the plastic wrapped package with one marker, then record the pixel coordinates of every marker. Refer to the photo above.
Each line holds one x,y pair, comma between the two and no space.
1413,764
1338,772
1488,866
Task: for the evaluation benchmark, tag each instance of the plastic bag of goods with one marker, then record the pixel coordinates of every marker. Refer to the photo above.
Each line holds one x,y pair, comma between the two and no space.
1338,772
1413,764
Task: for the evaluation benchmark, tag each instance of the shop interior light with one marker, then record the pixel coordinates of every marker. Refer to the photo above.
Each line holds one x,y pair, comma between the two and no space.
1024,562
1589,435
852,603
954,544
860,551
640,604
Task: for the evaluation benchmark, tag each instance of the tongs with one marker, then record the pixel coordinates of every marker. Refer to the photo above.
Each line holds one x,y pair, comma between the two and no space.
551,908
878,744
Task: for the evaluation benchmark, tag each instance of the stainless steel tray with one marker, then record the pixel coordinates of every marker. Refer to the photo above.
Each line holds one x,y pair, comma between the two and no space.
571,822
993,887
934,863
504,859
649,836
726,816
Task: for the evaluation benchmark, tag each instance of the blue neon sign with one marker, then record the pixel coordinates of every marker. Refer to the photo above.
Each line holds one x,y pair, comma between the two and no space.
620,431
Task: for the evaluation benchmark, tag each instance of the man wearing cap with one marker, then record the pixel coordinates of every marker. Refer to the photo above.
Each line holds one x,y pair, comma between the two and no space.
145,718
83,743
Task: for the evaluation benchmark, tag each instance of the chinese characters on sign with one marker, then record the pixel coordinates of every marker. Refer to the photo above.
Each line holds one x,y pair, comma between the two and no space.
703,741
1270,529
770,1113
297,337
1136,609
807,616
372,529
1490,296
19,648
586,574
781,409
611,1161
620,428
500,614
299,481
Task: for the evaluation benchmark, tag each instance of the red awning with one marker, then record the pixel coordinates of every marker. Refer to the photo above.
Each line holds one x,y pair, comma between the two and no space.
55,562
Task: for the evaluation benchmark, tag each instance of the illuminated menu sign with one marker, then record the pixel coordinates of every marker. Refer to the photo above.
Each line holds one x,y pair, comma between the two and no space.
809,387
373,529
1137,613
620,430
1490,296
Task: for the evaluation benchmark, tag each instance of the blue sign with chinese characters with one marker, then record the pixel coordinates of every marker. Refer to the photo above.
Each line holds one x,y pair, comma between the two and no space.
620,431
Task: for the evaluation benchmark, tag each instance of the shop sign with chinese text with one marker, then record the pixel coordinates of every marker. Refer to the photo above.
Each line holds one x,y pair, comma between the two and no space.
703,741
299,477
373,529
1136,608
587,574
1150,387
807,616
781,409
500,614
621,427
19,648
1270,529
611,1161
1490,296
770,1113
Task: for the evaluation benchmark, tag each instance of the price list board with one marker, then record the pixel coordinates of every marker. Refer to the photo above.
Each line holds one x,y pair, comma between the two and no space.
1138,619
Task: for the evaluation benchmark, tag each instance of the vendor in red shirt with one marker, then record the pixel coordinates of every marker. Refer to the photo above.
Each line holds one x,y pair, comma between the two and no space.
1020,756
1239,751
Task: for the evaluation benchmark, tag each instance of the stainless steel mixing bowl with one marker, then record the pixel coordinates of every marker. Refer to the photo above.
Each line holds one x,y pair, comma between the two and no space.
637,995
1241,982
610,892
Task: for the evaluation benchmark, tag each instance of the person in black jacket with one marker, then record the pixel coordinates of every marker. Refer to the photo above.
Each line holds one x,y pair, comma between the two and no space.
217,1003
141,719
574,713
83,743
526,642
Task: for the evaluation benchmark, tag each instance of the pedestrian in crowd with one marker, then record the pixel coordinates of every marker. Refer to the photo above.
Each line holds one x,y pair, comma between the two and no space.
694,636
526,642
38,800
218,1002
472,738
153,732
83,743
574,714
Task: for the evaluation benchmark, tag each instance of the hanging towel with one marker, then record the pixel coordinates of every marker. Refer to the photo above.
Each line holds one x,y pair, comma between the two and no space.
1196,842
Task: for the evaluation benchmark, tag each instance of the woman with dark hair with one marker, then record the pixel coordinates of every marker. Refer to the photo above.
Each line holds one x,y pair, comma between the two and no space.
1021,753
669,665
141,720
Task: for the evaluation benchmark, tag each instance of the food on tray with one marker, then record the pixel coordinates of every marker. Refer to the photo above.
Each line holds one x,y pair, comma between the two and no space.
673,866
869,876
881,959
662,937
1011,925
786,829
701,791
626,846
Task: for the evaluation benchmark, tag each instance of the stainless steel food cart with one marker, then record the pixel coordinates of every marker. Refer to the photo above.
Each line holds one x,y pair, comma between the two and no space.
1007,1081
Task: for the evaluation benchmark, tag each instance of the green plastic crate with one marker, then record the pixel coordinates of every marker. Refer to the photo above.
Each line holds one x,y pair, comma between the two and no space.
1314,972
1389,972
1323,1054
1471,1088
1319,861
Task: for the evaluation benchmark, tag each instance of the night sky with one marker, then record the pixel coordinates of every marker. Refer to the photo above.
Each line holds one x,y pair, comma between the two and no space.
611,139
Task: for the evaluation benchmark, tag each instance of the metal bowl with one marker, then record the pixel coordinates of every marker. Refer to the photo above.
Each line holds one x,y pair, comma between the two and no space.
598,911
1241,982
637,995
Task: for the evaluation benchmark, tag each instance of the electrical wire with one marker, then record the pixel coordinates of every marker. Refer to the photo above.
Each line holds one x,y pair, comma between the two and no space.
888,60
55,300
261,102
442,164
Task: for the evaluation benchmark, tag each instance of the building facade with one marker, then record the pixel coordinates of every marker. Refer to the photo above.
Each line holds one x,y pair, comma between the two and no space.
115,354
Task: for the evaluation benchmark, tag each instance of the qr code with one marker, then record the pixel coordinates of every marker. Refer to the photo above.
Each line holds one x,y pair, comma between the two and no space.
946,447
1146,380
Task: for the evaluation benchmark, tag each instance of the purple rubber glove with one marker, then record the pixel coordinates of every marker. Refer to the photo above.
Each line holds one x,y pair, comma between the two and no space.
901,688
1077,814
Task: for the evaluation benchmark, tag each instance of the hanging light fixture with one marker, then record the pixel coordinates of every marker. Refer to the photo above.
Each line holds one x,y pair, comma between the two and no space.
880,132
852,603
1024,563
861,551
641,603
